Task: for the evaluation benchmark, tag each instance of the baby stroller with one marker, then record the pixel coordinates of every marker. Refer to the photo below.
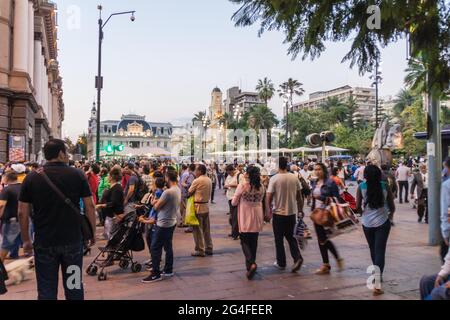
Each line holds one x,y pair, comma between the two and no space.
347,197
126,237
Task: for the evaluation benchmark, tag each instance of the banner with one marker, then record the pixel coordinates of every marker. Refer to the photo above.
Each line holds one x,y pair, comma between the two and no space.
16,148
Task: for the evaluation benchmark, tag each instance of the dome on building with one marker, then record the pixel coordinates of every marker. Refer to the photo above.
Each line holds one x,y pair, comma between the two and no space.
216,89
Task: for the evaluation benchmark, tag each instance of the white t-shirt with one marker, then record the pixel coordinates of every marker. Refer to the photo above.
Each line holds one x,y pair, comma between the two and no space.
284,187
425,180
359,173
233,180
402,173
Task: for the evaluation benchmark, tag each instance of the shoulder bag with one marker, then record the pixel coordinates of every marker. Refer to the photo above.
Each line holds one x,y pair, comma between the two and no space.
86,227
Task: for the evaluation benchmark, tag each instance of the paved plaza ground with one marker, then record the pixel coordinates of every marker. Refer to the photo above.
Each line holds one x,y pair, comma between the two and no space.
222,276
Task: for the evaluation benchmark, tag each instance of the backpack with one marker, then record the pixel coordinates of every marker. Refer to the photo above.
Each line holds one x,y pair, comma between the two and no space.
141,188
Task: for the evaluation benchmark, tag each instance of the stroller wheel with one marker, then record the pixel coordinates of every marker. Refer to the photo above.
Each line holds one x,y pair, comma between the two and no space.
136,267
123,264
102,276
92,270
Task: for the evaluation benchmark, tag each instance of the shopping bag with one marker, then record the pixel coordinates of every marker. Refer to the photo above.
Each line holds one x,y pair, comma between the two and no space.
191,218
299,233
322,217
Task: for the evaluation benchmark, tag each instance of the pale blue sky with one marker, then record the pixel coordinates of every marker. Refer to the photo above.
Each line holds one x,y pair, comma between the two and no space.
165,64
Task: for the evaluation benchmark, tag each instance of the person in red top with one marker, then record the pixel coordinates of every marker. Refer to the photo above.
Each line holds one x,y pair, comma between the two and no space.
93,179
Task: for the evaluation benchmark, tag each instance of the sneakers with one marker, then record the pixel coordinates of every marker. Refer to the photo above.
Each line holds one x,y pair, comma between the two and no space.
167,274
276,265
152,278
297,265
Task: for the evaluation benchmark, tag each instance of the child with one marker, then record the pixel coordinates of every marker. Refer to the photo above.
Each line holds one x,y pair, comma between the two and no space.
152,216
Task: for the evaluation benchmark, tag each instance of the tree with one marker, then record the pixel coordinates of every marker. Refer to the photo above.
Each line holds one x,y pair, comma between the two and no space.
199,116
404,98
70,145
352,106
290,88
413,120
266,89
261,117
308,24
415,78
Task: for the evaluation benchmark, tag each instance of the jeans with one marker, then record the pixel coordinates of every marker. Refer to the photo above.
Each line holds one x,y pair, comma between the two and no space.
47,263
11,238
220,179
403,185
249,244
429,292
234,220
283,227
213,189
377,239
162,238
149,236
325,245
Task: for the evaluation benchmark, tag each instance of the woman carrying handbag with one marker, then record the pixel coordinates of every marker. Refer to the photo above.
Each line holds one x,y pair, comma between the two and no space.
249,198
323,189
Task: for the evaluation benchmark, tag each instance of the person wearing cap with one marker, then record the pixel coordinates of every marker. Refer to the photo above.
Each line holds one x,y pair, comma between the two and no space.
20,170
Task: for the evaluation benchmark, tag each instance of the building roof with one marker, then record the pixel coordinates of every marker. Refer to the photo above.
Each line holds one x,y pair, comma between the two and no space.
216,89
124,124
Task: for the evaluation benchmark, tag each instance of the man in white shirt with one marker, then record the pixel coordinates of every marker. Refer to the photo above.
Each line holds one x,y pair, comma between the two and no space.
359,173
421,182
285,191
402,175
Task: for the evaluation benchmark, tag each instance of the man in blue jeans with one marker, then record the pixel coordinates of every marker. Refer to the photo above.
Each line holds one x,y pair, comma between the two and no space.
58,240
167,207
437,287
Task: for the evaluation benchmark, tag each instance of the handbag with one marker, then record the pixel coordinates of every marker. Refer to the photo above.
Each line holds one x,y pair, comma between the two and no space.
322,217
191,218
86,228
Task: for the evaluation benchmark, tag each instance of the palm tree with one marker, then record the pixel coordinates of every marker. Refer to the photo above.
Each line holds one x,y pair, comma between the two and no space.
199,116
261,117
265,89
290,88
416,76
403,99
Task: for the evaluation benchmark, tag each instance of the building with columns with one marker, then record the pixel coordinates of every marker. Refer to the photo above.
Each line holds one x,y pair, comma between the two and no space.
31,104
138,136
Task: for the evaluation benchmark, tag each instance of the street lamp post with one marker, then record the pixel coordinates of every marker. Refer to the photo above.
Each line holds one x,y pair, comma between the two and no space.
205,121
99,78
376,82
286,103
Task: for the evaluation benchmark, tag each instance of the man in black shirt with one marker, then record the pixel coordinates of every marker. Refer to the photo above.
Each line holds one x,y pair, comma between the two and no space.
58,236
9,198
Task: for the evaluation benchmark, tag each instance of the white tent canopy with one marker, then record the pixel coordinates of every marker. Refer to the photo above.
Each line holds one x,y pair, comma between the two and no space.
329,149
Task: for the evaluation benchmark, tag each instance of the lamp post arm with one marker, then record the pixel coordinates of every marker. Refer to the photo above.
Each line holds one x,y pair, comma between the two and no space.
117,14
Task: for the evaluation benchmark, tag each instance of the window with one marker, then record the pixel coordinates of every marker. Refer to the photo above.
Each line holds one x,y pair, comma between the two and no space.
165,145
148,144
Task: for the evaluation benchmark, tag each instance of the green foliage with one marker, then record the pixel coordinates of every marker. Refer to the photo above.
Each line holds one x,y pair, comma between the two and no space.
413,120
265,89
261,117
358,141
308,24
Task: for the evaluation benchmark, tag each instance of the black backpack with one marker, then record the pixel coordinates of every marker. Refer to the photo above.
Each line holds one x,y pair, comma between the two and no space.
141,189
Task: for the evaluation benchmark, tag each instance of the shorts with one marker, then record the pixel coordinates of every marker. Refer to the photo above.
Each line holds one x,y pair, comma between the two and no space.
11,236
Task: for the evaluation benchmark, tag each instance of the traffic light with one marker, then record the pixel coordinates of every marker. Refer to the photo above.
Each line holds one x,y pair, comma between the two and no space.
110,149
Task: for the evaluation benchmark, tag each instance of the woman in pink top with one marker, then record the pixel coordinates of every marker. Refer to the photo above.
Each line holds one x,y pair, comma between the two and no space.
249,199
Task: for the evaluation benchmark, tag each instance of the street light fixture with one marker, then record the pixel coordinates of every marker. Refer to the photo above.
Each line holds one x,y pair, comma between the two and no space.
99,78
205,124
377,79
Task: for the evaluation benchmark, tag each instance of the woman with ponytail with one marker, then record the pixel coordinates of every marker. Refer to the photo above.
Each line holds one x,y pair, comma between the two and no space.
249,199
375,201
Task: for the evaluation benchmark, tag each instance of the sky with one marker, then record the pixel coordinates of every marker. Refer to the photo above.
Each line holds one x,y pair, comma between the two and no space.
165,64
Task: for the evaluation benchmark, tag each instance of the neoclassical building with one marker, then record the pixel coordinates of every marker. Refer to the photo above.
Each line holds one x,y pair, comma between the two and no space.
31,104
139,136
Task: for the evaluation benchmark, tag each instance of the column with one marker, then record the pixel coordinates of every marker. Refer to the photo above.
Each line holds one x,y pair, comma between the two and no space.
37,77
31,41
21,36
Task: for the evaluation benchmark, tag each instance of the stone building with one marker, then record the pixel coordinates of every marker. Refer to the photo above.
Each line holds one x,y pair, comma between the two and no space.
31,104
138,136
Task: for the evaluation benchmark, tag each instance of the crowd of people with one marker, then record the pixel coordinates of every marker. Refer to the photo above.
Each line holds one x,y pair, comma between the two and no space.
46,222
